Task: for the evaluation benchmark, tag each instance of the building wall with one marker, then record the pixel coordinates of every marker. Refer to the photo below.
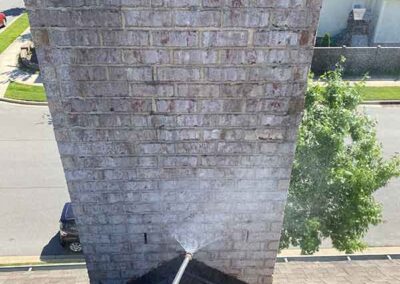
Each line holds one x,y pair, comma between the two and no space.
388,23
176,121
335,13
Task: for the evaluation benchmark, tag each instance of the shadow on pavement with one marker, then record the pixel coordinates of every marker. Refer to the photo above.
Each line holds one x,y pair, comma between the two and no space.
53,251
14,12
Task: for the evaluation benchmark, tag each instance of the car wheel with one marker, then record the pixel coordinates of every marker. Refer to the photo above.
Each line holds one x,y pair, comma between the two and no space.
75,247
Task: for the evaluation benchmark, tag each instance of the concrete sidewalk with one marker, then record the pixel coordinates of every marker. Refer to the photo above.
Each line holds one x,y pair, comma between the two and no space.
338,272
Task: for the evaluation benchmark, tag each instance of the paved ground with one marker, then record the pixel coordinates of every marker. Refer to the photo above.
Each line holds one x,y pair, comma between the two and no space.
32,184
354,272
387,233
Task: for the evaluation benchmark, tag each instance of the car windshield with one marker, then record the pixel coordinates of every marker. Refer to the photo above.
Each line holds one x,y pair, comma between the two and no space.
69,214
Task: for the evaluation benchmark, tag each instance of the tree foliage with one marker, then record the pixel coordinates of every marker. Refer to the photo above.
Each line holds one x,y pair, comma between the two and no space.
326,40
338,167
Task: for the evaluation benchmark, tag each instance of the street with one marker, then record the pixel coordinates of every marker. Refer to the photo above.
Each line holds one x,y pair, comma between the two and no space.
33,189
32,184
387,233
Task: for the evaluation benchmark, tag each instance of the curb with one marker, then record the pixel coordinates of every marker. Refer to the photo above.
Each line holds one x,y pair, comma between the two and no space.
330,258
30,103
57,266
388,102
27,84
21,102
17,261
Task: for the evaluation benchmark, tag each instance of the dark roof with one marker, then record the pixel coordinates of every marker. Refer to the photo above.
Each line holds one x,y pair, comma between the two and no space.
196,273
67,213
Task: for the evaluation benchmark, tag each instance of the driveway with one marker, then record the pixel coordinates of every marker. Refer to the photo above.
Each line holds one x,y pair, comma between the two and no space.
32,184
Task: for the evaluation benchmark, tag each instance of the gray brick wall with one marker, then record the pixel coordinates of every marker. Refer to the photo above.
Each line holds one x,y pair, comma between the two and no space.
176,118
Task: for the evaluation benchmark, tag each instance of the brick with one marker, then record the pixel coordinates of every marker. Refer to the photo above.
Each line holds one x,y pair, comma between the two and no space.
182,3
181,161
197,90
128,38
183,134
131,74
246,18
94,56
225,38
151,90
99,89
146,56
175,38
207,18
131,3
233,74
178,74
289,19
275,38
247,56
74,38
96,18
56,18
264,105
195,56
270,74
82,73
148,18
176,106
252,3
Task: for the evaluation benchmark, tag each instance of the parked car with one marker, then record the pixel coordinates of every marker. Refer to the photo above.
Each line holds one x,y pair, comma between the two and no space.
3,20
69,236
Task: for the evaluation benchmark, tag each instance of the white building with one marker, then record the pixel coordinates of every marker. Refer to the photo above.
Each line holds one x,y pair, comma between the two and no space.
385,19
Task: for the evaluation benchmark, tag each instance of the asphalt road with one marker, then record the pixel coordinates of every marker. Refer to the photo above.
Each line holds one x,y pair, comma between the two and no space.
11,8
33,189
32,184
387,233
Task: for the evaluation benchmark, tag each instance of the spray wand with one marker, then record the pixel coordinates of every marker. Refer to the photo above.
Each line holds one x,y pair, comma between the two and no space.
188,257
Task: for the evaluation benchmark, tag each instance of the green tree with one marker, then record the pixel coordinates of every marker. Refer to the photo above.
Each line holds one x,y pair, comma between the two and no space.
338,166
326,40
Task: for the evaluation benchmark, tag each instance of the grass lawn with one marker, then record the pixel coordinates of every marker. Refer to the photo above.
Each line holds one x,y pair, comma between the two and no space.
13,31
381,93
24,92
